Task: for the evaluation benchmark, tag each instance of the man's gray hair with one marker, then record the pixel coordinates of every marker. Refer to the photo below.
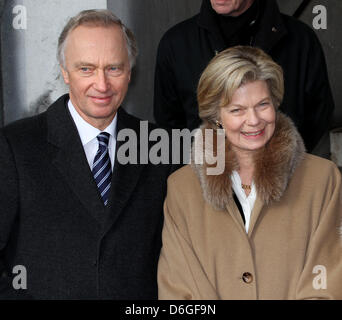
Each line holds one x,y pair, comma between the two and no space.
96,17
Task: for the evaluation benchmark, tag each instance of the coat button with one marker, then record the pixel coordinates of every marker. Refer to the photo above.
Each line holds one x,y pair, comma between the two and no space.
247,277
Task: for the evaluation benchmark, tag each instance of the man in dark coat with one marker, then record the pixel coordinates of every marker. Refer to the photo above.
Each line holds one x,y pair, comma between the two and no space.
185,50
76,222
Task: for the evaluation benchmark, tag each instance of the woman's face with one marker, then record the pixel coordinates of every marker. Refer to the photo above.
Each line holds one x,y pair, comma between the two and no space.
249,119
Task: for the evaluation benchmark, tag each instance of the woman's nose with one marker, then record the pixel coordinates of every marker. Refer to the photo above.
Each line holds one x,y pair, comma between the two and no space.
252,118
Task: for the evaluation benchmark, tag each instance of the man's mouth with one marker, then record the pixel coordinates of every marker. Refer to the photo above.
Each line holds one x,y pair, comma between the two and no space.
101,99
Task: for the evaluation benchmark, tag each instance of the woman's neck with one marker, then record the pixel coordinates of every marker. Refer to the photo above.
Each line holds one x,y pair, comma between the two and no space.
246,166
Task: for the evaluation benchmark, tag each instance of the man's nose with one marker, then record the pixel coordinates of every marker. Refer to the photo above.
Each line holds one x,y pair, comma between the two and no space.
101,81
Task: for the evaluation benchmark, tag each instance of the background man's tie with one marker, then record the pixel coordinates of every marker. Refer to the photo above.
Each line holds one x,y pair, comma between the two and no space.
102,167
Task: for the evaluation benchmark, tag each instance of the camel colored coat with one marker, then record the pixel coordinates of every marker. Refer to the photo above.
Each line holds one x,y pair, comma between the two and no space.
293,249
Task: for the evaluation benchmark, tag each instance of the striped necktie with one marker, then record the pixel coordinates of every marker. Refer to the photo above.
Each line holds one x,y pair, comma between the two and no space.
102,170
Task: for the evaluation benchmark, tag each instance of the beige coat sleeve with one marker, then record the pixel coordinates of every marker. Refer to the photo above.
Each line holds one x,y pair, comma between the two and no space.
322,274
180,274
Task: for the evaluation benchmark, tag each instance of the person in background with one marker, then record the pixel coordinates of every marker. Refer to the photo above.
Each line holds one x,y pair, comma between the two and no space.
82,223
268,226
186,49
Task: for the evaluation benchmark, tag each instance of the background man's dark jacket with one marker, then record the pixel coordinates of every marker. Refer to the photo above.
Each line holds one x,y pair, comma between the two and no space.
53,221
186,49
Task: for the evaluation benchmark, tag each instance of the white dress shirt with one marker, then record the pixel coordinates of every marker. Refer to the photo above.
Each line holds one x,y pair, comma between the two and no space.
247,203
88,135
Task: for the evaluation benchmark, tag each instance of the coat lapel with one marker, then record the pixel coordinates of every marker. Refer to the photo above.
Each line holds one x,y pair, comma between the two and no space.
125,176
258,205
208,25
236,216
272,28
70,160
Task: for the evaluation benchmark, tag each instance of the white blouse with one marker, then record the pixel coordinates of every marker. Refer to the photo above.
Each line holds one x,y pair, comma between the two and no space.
247,203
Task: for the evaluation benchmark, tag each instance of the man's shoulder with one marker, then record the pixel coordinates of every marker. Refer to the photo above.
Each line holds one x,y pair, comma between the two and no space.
181,29
30,127
25,136
299,29
24,127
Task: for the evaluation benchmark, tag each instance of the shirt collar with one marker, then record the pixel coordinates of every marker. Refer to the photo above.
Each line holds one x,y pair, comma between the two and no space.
86,131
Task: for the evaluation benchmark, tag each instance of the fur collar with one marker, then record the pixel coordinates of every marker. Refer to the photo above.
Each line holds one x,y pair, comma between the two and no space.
275,164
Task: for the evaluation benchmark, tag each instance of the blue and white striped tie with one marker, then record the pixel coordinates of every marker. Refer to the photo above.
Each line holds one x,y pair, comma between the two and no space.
102,170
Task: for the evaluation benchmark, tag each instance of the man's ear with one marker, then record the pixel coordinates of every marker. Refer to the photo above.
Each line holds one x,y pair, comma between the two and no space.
65,75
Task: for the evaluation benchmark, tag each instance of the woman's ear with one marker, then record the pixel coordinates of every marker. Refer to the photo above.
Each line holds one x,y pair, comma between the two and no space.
218,124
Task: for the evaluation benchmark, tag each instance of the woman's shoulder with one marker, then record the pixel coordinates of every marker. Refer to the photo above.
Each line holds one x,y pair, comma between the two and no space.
314,162
317,169
183,174
184,184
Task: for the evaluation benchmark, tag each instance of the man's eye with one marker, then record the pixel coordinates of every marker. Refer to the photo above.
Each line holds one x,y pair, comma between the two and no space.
85,69
235,110
114,70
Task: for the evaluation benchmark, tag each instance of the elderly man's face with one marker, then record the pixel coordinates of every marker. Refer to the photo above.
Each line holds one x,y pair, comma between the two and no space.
97,72
231,7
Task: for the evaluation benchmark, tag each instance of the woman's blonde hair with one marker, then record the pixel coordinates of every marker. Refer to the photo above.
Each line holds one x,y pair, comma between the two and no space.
231,69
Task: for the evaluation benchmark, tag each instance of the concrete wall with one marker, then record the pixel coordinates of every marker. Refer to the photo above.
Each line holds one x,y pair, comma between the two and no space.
29,66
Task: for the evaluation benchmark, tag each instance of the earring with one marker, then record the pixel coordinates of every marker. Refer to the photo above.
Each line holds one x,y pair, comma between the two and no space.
218,124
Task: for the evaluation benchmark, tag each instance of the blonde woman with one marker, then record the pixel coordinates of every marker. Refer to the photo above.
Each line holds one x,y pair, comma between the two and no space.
267,227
